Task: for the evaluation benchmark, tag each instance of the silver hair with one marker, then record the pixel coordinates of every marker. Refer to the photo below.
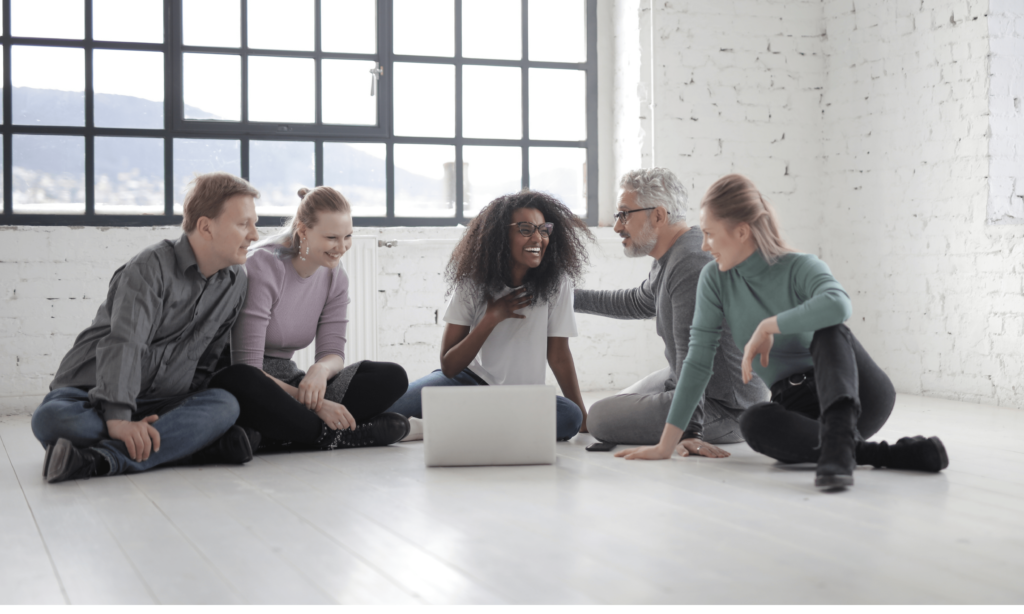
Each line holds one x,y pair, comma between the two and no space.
657,187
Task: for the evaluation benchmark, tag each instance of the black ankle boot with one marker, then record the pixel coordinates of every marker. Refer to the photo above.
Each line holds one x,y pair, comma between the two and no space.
234,447
383,430
917,453
838,428
66,462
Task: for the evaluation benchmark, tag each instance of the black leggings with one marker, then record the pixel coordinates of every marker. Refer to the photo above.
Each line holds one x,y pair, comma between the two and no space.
786,428
265,407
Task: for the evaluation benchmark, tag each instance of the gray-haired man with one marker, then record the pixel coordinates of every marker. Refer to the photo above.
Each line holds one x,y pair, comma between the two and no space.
650,220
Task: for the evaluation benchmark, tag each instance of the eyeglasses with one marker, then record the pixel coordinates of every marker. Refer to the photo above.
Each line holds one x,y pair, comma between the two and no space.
527,229
621,216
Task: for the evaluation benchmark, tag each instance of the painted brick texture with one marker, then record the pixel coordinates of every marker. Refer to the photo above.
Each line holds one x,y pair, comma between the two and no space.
936,289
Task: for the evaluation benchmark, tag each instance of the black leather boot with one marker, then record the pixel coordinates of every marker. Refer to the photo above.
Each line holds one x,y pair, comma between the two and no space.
917,453
838,434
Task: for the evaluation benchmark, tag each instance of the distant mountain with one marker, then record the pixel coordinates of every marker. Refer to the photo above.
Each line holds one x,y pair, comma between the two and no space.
130,171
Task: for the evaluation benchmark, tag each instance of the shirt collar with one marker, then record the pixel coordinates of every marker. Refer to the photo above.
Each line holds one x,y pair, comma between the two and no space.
185,258
753,266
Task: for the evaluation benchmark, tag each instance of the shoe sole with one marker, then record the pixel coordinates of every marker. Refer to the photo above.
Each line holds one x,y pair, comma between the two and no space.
56,468
941,449
46,460
833,482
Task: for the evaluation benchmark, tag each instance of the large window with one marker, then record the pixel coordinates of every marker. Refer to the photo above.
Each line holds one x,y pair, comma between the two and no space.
419,111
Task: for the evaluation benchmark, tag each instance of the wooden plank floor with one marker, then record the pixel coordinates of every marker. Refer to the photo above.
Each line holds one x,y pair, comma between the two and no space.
374,526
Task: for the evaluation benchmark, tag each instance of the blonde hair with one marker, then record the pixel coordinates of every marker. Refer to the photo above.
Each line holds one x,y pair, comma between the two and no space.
323,199
734,199
208,193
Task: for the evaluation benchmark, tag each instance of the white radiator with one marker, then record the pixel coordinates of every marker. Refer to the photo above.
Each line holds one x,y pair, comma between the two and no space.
360,263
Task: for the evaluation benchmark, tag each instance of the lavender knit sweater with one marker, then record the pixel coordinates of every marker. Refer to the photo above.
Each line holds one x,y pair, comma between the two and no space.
283,312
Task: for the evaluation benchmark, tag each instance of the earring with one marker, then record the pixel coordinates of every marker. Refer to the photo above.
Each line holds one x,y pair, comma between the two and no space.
301,257
307,249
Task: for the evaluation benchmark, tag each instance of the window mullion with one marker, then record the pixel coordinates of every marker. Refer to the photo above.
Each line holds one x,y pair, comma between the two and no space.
526,93
245,67
90,145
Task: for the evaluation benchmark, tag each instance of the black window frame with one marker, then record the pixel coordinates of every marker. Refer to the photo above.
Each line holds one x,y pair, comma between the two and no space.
175,126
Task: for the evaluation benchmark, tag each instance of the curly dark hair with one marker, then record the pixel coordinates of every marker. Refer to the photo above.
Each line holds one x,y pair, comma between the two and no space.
483,258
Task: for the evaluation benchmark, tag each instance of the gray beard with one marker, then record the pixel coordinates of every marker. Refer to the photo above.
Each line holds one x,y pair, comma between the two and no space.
642,243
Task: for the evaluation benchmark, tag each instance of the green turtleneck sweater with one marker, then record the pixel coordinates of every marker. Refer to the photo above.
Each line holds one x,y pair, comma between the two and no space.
798,288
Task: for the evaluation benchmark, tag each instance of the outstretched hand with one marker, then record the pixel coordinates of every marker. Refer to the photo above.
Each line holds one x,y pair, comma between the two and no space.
645,453
696,447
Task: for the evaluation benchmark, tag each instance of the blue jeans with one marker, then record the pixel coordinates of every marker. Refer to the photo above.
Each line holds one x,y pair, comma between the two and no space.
188,428
568,416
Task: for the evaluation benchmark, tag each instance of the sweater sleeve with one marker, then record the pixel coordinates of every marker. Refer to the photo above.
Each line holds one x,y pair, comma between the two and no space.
705,333
823,301
333,324
631,304
249,335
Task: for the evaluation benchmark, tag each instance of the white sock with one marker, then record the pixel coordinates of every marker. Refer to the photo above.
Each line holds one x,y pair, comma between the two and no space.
415,430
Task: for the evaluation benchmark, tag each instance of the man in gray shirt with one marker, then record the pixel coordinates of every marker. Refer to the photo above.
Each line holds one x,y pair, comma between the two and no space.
130,395
650,220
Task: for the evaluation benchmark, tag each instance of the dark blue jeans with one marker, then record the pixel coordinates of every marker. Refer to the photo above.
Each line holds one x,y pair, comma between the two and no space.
568,415
191,426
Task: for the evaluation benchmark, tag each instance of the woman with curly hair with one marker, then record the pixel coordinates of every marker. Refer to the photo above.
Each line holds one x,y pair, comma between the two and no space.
512,275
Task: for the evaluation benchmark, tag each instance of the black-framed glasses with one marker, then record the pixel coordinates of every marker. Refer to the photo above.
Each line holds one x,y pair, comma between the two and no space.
527,229
621,216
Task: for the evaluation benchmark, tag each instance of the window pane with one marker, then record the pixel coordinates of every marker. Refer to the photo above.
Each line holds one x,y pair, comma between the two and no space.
129,176
424,181
424,102
489,173
213,86
48,174
558,30
561,171
492,102
278,169
346,91
558,105
139,21
197,156
129,89
49,86
348,26
282,90
272,25
492,29
357,171
424,27
48,18
211,23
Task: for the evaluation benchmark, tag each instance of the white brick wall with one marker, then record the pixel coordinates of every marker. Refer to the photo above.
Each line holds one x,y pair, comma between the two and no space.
52,280
884,170
1006,102
737,88
937,290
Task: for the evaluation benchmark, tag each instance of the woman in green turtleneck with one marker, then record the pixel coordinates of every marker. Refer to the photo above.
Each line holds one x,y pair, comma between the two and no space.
828,396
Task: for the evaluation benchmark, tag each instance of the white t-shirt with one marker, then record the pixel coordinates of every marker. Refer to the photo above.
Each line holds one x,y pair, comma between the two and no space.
516,351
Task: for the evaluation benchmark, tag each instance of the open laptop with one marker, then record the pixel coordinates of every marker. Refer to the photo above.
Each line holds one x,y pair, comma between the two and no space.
488,425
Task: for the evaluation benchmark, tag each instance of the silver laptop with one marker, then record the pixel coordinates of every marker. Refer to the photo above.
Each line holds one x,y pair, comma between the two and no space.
488,425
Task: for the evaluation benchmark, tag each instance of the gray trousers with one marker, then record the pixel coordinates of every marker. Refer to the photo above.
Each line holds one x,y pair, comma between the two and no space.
637,415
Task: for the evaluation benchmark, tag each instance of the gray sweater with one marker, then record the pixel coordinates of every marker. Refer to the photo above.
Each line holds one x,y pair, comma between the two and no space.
669,294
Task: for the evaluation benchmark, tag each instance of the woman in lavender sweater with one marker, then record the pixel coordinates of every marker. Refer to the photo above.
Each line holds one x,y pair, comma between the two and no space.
298,291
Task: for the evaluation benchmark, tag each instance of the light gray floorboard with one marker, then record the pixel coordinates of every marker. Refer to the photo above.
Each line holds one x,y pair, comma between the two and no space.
376,526
27,575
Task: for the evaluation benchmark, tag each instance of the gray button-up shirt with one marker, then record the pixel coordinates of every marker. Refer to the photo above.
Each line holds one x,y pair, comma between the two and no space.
158,334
